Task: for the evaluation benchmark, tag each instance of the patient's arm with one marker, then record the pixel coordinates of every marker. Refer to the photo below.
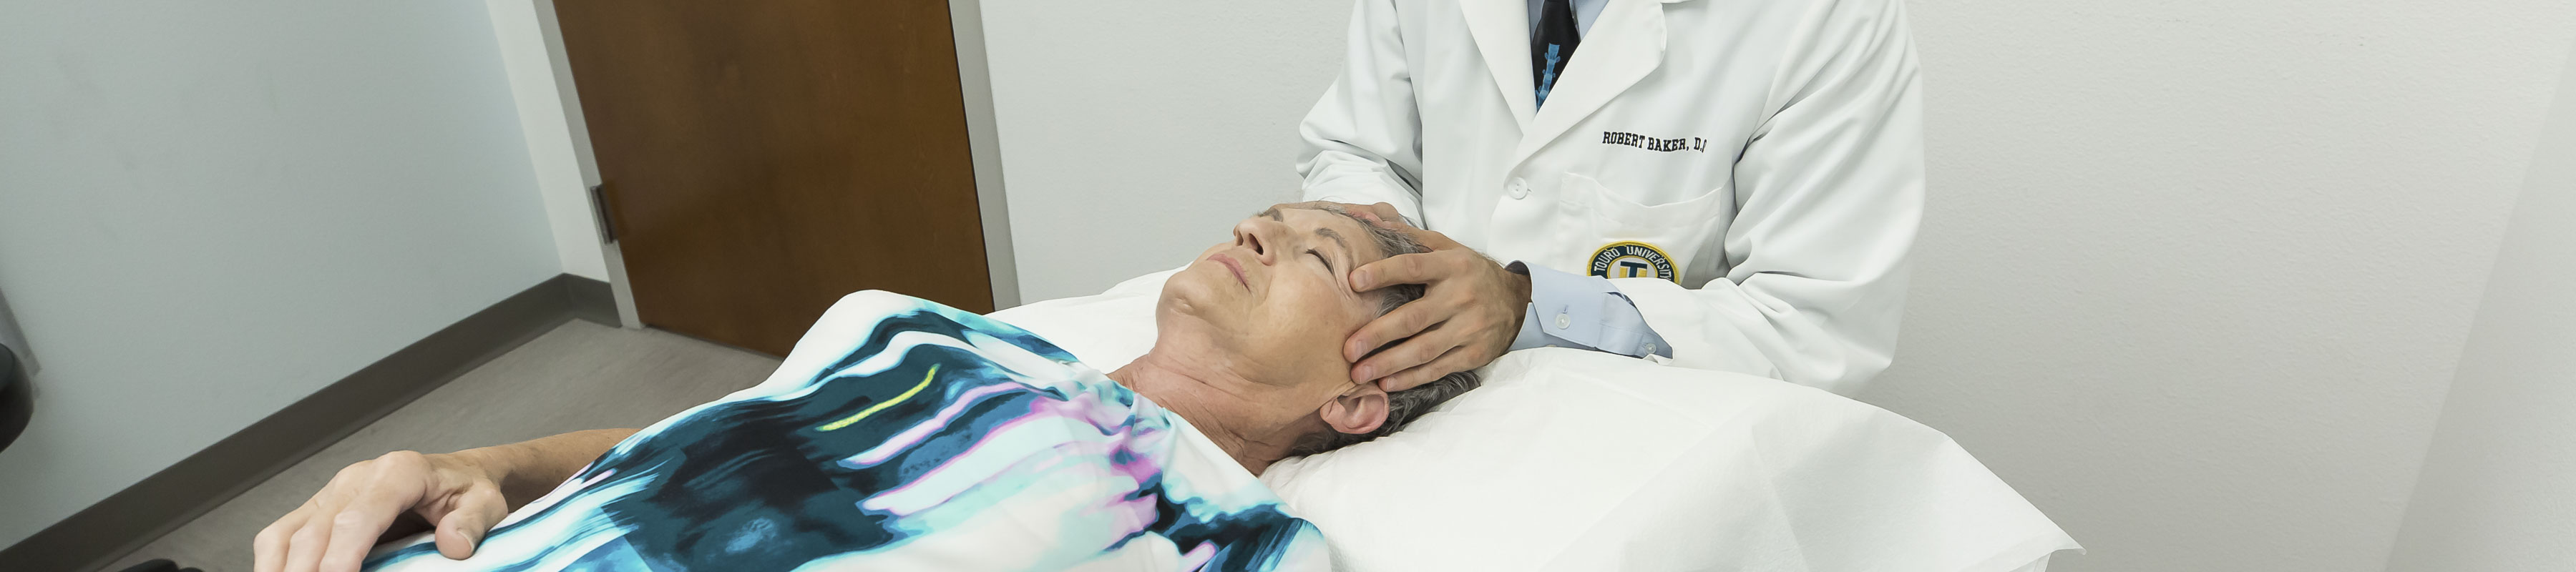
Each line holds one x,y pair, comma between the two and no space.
461,494
528,469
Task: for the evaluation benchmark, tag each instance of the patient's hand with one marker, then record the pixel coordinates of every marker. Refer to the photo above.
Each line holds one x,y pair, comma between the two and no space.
462,494
1469,312
333,531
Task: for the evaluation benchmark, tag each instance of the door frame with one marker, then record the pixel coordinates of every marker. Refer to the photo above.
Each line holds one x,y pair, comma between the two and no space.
984,148
514,22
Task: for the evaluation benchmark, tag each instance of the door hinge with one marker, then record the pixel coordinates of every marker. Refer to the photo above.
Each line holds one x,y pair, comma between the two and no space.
599,214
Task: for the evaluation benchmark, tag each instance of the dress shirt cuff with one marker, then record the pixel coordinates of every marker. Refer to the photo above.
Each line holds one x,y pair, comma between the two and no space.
1573,310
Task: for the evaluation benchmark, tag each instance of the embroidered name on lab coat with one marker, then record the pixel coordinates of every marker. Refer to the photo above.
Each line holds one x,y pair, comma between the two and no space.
1653,143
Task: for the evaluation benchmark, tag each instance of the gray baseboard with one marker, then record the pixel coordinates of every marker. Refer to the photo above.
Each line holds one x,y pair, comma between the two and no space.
152,507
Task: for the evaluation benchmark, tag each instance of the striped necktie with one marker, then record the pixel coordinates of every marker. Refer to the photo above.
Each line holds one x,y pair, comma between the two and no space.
1553,44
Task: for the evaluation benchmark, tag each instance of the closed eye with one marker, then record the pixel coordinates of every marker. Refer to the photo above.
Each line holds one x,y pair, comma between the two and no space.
1328,263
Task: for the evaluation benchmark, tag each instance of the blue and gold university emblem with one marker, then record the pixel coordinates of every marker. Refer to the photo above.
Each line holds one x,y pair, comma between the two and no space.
1632,259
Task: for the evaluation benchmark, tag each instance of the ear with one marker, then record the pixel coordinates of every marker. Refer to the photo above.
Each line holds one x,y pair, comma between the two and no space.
1359,410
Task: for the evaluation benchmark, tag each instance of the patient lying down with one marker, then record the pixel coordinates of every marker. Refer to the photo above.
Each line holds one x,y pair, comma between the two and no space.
904,435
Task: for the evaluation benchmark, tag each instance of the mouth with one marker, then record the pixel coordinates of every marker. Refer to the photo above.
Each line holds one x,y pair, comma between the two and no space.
1232,266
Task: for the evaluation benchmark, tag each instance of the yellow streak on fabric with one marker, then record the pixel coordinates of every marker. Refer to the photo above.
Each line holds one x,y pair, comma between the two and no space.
871,410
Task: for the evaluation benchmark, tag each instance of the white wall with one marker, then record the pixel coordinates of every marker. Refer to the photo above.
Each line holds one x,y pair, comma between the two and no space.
2495,492
2196,273
1134,136
2194,278
211,209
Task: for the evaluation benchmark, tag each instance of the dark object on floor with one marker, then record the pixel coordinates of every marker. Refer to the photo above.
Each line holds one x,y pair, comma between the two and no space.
156,565
16,402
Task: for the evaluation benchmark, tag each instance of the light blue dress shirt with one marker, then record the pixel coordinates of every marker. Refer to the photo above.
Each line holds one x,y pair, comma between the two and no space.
1585,11
1574,310
1586,312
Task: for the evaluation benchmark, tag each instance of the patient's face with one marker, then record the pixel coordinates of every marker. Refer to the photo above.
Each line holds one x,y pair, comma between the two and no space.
1277,294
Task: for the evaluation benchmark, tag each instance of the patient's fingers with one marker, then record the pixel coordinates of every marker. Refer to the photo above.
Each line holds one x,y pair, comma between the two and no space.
381,491
268,549
304,546
462,527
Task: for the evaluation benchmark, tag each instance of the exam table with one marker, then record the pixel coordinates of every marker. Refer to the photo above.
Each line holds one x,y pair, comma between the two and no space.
1573,460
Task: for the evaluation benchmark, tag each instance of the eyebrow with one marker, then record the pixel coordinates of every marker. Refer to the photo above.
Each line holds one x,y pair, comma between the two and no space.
1337,238
1272,212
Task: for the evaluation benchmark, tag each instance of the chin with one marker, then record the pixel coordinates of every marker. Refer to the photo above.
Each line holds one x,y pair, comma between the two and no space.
1187,292
1197,292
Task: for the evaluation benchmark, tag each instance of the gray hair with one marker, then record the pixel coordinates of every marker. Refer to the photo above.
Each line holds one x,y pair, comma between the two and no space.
1402,407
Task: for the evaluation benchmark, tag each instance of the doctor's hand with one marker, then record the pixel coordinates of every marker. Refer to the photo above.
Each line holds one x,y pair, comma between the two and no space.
1470,310
333,531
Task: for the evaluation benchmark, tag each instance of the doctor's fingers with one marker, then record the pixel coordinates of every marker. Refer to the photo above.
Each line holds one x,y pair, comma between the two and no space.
1385,214
1457,359
1448,347
1421,268
1465,338
1411,320
1435,241
1406,356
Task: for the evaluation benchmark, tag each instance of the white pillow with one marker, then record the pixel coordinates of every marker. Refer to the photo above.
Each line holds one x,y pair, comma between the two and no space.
1574,460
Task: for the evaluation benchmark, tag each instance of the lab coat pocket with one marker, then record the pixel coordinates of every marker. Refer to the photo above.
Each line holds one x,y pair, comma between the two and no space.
1632,240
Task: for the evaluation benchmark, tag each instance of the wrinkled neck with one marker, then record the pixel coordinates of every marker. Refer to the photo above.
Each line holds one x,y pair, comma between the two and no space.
1231,409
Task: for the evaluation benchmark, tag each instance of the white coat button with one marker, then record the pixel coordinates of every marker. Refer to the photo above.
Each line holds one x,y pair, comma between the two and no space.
1563,322
1519,189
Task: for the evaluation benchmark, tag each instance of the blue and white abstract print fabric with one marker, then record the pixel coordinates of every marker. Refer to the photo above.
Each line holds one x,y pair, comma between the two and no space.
906,435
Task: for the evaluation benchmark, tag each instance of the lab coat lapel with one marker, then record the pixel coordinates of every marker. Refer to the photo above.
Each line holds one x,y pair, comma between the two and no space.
1623,45
1501,29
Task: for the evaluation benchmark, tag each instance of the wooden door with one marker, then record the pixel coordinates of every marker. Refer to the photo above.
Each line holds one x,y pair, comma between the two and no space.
762,158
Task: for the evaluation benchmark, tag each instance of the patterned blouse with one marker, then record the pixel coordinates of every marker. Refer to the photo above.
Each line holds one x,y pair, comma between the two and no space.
906,435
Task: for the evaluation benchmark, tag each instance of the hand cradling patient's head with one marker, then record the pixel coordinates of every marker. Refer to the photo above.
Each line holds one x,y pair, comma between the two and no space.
1276,301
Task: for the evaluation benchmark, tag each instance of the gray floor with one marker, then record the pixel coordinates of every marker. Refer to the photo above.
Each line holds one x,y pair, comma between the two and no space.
579,376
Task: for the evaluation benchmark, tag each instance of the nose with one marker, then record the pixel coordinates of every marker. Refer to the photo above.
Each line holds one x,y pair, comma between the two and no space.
1255,233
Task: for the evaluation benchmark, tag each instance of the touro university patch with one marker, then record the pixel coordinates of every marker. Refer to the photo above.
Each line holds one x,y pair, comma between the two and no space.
1631,259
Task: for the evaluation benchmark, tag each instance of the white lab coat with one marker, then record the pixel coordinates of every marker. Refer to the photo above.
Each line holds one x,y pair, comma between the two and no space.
1770,150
